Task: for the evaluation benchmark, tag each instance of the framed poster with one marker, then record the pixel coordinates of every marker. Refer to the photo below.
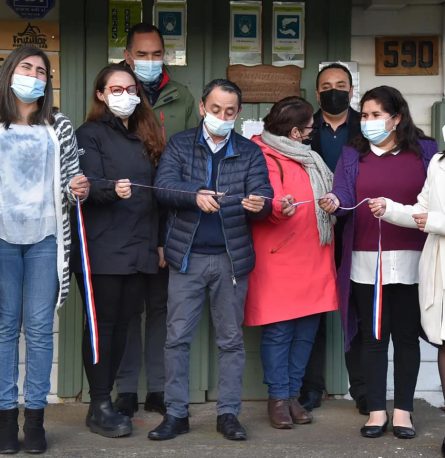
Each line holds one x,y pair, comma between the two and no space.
245,33
288,33
171,19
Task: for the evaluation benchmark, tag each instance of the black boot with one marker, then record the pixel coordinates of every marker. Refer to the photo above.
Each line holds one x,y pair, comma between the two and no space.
103,420
154,402
126,404
9,428
35,441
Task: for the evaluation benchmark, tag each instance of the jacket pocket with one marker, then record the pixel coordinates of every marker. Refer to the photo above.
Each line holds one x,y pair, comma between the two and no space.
283,243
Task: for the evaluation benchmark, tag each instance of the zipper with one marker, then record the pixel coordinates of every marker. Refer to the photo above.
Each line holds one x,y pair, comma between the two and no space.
222,226
184,263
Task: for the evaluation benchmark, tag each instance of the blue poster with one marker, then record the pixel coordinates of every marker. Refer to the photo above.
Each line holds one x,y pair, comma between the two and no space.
288,26
31,9
170,23
244,25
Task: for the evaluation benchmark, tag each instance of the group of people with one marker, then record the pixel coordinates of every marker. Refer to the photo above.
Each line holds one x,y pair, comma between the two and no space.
274,232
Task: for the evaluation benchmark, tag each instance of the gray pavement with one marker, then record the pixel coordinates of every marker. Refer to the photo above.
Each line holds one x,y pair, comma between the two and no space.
334,433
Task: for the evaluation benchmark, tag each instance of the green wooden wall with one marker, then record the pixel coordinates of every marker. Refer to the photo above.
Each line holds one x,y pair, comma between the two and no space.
84,52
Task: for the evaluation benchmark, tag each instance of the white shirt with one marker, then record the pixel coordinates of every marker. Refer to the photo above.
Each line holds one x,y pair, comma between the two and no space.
214,147
398,266
27,206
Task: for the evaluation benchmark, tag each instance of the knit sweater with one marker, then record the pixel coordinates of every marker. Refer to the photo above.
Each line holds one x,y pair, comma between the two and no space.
399,177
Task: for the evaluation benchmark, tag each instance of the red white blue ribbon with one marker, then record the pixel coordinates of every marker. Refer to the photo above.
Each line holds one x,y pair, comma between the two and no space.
89,295
378,291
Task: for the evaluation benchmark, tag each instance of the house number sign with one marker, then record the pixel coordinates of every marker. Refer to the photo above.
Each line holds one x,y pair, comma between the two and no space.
407,55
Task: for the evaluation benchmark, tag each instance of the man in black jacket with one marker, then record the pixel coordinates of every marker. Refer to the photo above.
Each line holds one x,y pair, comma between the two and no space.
174,107
336,124
214,181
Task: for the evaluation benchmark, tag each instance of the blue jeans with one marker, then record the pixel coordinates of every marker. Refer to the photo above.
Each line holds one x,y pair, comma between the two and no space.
285,350
28,294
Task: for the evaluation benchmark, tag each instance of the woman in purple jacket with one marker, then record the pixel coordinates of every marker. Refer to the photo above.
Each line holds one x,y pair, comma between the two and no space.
390,158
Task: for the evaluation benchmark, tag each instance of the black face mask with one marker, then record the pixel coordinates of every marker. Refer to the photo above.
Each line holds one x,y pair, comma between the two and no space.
334,101
308,139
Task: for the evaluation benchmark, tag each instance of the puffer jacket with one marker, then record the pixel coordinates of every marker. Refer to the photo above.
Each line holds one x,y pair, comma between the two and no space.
185,168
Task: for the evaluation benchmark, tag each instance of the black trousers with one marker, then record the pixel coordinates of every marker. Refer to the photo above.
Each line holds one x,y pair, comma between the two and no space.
117,299
314,377
401,322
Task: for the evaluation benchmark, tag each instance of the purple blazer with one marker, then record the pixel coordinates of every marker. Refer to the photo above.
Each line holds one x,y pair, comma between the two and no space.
344,188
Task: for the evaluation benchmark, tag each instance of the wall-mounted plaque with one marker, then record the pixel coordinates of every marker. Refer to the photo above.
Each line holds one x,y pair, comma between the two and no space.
407,55
265,83
31,9
42,34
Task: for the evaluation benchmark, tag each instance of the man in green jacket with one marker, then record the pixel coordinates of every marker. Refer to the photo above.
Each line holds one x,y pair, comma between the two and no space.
175,107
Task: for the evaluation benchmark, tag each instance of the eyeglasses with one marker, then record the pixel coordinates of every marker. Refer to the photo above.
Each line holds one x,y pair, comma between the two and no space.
118,90
310,127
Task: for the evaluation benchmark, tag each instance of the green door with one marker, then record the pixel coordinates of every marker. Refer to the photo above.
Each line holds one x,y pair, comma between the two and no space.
84,51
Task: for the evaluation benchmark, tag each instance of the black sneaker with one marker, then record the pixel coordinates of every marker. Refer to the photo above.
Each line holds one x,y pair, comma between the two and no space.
126,404
154,402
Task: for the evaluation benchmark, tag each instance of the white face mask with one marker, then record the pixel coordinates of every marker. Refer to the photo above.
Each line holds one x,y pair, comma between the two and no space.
123,105
218,127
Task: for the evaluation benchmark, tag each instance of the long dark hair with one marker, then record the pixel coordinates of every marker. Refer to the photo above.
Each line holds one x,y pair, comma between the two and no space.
286,114
142,122
9,112
392,102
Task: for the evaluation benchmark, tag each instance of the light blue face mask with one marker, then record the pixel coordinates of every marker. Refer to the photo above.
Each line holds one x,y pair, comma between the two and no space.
27,88
218,127
148,71
375,131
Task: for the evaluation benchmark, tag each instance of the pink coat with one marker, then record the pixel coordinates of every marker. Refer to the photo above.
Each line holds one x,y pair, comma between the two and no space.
294,276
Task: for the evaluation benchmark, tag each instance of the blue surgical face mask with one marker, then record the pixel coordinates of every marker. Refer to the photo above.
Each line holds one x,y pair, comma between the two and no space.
27,88
148,71
375,131
218,127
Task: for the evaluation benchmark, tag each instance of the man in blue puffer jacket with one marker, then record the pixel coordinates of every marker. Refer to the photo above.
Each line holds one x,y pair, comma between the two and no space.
214,181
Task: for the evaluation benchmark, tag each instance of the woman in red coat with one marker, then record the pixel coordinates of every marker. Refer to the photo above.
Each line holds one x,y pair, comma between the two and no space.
294,277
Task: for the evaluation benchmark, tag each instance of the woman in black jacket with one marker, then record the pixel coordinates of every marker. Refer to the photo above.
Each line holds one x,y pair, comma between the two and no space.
121,142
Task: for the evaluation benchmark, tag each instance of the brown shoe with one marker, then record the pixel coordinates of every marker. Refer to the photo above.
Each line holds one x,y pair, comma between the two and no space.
300,416
279,415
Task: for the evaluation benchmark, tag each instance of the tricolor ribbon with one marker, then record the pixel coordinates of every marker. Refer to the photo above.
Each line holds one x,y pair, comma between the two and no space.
89,295
378,291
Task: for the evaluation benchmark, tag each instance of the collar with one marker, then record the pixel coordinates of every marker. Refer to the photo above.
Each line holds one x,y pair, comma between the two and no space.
214,147
165,78
379,151
351,118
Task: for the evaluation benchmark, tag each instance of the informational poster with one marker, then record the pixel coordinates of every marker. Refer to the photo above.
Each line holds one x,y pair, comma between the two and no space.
171,19
245,33
353,68
122,16
288,33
